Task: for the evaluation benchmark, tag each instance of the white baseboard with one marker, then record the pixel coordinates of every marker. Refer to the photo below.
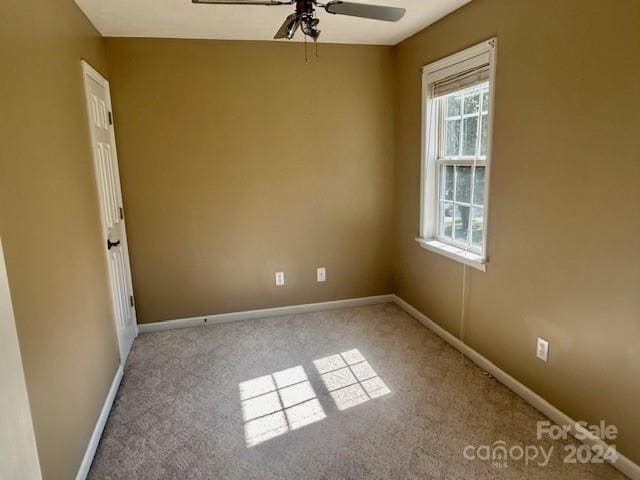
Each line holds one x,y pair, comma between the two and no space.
622,464
97,431
263,313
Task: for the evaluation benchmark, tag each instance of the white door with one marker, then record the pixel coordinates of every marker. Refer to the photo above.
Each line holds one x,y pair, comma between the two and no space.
105,162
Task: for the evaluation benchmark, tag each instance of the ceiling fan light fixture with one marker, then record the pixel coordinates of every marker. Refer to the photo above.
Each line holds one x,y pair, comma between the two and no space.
310,27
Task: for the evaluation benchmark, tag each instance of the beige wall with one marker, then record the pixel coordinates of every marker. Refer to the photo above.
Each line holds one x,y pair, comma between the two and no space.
564,223
50,227
238,160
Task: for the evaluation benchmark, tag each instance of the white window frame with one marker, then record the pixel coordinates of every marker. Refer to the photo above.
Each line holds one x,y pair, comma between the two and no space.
475,56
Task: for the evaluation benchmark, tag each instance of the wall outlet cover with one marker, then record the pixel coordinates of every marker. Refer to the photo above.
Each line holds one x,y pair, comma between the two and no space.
542,349
321,274
279,279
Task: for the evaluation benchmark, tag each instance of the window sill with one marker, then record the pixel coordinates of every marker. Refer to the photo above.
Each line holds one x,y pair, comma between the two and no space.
454,253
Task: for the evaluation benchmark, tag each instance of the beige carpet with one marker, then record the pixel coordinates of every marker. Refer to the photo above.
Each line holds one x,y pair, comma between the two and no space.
361,393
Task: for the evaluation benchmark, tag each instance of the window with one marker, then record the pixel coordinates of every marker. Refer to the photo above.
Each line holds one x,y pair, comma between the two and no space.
457,99
461,167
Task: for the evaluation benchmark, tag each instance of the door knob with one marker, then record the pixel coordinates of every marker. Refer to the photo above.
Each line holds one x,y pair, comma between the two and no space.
112,244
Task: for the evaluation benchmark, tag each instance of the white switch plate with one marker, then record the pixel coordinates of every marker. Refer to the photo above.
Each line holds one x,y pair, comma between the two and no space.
542,349
321,274
279,279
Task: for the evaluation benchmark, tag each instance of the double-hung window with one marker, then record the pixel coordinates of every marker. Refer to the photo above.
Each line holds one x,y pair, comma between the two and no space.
457,104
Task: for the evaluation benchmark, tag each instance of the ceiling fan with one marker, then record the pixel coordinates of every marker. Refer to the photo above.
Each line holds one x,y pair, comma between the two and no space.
305,14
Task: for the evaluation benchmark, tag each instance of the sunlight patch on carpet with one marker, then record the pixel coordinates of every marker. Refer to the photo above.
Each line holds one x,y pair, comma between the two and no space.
350,379
274,404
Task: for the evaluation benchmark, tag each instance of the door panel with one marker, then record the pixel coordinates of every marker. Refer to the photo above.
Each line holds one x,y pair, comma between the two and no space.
111,211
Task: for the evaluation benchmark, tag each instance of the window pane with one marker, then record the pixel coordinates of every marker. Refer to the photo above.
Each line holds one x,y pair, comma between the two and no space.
483,133
463,185
477,227
470,136
446,184
462,223
446,219
478,187
453,106
452,140
472,102
485,101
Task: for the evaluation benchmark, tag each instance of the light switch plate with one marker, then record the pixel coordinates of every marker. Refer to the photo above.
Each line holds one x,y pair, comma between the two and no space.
542,349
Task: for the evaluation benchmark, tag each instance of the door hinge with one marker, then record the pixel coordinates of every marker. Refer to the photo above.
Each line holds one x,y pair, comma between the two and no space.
121,213
110,119
131,300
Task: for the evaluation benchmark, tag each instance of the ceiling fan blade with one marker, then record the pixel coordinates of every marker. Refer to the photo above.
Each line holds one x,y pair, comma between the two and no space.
289,27
268,3
376,12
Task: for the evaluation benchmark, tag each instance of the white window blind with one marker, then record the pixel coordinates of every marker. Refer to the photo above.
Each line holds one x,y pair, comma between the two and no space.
460,81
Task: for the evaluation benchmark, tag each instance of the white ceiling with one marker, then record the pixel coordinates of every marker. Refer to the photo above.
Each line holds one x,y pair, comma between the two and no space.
182,19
